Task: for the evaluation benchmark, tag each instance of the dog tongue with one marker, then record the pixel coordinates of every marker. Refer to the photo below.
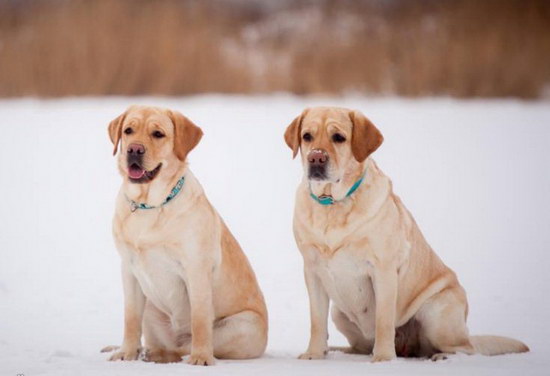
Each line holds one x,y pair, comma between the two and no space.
136,172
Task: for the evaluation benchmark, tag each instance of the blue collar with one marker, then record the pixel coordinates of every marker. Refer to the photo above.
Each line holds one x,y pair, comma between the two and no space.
328,200
173,193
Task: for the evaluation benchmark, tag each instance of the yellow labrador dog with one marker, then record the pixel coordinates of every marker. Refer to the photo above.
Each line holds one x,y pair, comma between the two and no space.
187,284
391,294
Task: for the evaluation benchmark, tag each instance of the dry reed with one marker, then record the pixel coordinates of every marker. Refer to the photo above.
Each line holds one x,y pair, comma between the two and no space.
463,48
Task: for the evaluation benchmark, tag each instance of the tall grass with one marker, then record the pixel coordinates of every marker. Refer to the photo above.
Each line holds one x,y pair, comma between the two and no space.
463,48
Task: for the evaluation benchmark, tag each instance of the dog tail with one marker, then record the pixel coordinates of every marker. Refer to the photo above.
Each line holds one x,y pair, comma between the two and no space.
496,345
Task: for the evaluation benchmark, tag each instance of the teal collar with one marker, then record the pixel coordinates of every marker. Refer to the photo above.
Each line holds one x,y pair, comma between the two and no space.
173,193
328,200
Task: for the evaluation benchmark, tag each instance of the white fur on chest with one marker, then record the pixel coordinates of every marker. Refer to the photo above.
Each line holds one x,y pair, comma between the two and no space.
346,279
147,229
162,280
149,253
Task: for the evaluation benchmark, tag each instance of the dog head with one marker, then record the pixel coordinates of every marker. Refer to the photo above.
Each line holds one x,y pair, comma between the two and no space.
151,141
331,140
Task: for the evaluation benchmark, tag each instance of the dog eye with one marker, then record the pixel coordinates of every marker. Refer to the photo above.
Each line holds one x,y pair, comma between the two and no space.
128,131
307,137
158,134
338,138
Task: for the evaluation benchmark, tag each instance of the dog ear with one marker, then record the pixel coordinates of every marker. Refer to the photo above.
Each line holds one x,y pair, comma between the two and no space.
292,133
365,137
186,134
115,130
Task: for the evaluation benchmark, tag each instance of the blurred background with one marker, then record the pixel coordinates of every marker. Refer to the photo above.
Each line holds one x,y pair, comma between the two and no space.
459,48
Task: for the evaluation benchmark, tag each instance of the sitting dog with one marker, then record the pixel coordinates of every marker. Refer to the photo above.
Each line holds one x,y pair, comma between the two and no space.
362,250
187,284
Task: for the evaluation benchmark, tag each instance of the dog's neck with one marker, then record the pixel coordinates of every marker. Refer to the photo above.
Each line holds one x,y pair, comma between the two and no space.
155,192
339,189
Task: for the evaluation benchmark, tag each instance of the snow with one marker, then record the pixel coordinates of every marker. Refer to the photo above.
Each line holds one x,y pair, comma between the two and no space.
475,174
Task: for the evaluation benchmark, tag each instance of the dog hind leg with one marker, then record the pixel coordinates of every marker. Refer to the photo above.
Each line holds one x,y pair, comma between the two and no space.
359,344
443,324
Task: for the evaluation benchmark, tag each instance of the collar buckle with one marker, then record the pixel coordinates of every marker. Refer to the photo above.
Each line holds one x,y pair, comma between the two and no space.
326,200
177,188
133,206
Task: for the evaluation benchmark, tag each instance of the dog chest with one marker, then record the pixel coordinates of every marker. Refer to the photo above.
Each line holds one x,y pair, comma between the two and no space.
346,279
162,280
143,229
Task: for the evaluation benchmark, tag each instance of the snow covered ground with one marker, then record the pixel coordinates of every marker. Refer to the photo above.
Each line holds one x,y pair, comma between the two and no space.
475,174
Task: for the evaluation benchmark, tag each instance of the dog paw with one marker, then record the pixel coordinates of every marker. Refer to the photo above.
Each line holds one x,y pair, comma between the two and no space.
348,350
383,356
201,360
439,356
313,355
126,354
161,356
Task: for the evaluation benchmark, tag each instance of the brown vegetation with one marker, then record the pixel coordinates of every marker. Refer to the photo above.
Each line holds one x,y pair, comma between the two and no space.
462,48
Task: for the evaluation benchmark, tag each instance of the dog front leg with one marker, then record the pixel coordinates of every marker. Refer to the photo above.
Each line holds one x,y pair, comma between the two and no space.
318,308
385,290
134,303
202,315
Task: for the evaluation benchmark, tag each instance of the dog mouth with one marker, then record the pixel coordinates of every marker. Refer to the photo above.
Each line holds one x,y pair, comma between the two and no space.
137,174
317,173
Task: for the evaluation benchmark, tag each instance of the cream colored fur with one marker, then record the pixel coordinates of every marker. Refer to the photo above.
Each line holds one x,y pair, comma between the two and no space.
188,287
391,294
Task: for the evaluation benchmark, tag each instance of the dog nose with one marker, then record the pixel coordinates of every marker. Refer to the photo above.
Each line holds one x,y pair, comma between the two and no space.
136,149
317,157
